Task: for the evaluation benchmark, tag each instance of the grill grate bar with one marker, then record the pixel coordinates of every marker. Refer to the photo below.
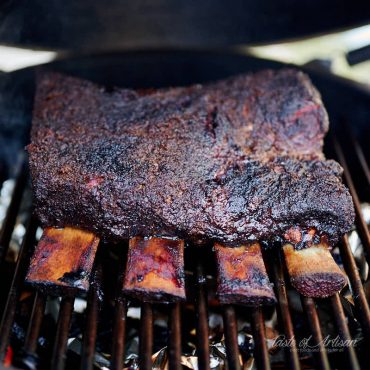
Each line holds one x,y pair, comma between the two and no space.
320,357
174,346
119,331
18,278
119,321
61,337
12,211
360,221
202,321
231,337
146,337
259,335
89,336
359,296
285,318
343,330
37,316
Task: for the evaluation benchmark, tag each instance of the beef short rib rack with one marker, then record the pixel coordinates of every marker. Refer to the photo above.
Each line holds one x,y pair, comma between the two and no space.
292,236
235,161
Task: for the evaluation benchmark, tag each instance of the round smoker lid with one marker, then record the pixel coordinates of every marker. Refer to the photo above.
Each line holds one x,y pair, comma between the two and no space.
139,24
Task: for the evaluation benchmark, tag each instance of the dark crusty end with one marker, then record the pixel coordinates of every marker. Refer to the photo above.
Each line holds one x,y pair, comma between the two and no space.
320,284
313,271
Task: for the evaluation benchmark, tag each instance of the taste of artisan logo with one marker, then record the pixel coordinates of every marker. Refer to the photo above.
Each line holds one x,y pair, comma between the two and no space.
331,344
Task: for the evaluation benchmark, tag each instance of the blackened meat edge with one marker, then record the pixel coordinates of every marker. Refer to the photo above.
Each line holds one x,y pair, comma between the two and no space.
233,161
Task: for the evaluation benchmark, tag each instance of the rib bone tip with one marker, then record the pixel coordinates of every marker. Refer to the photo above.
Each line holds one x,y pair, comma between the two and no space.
313,271
242,277
155,270
63,260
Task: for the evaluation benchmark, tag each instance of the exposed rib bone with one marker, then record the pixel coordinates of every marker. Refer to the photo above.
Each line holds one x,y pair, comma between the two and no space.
313,271
155,270
242,277
63,260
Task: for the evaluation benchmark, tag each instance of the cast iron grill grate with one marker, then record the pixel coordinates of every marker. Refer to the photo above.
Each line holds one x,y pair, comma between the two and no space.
197,286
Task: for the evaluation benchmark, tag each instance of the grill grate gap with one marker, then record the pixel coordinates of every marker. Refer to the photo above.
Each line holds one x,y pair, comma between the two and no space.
202,320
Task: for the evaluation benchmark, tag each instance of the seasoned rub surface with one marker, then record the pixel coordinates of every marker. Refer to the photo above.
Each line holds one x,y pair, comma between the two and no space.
233,161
